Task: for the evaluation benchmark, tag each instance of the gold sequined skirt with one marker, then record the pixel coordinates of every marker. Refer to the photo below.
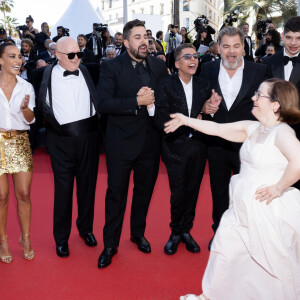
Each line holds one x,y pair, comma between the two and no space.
15,152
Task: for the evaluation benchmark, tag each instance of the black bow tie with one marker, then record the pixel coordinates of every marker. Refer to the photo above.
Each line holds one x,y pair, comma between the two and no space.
118,48
286,60
67,73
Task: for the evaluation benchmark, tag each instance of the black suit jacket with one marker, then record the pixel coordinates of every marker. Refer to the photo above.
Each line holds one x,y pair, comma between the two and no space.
127,124
88,56
253,76
40,38
31,64
45,56
45,109
89,44
248,56
170,98
275,66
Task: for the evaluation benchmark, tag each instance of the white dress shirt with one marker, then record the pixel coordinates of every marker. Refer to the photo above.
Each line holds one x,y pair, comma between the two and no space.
188,90
230,87
289,67
170,41
70,97
11,116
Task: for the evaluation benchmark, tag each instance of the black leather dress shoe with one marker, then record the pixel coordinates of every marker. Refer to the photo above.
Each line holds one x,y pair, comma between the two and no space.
210,243
62,250
106,256
89,239
142,243
172,244
190,243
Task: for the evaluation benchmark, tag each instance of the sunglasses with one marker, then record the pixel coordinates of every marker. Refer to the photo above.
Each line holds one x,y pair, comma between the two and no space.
27,22
189,56
72,54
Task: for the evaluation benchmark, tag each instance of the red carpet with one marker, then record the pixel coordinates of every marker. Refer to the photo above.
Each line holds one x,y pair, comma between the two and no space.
132,275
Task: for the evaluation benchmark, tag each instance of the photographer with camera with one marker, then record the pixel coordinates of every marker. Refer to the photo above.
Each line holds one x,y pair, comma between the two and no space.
28,32
230,19
271,37
41,37
204,32
173,40
94,40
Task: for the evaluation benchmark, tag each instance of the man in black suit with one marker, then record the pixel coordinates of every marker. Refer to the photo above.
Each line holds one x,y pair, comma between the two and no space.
212,56
184,152
285,64
29,59
247,43
88,55
41,37
132,142
94,42
120,47
67,101
49,54
235,80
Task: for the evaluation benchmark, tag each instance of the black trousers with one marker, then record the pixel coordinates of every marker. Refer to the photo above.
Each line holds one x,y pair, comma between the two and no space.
73,157
185,179
145,168
222,164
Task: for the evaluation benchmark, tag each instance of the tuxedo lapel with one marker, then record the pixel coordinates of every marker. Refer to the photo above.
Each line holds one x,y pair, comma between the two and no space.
196,101
214,78
248,74
179,90
278,65
90,84
295,75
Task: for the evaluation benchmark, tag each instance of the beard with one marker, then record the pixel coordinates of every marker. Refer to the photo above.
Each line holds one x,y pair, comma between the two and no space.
231,65
137,54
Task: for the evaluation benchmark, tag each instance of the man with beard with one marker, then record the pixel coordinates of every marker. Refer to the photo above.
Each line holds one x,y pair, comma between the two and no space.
235,80
132,142
120,48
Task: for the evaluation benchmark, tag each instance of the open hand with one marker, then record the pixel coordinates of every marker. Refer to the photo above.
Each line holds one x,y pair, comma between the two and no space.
267,194
177,121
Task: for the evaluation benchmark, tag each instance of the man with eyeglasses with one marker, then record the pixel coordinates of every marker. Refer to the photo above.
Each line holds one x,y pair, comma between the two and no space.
183,152
235,80
68,104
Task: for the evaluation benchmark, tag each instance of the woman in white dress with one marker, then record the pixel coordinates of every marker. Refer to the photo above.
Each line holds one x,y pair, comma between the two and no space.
256,250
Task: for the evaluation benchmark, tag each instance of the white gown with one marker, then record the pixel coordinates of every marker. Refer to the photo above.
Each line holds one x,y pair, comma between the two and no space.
256,250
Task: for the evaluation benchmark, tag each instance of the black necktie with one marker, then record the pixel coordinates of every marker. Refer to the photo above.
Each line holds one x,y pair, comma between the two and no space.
286,60
67,73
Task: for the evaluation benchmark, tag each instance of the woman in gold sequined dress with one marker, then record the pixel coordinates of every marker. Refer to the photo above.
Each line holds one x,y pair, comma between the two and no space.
16,113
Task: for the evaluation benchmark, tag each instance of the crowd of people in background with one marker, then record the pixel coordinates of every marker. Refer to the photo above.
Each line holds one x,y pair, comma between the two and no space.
162,96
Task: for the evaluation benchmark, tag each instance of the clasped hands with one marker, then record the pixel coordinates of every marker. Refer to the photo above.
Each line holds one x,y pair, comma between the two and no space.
145,96
211,106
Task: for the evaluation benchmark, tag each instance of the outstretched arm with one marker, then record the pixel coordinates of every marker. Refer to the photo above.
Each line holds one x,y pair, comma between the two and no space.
234,132
289,146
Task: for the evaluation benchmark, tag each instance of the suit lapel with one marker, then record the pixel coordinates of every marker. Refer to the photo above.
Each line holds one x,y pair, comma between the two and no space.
278,66
178,87
90,84
248,74
214,78
195,104
295,75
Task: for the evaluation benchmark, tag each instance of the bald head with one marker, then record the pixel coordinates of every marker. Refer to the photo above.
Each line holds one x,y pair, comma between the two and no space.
64,46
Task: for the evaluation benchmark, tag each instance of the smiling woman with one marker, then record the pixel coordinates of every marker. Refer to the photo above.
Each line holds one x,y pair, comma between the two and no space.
16,113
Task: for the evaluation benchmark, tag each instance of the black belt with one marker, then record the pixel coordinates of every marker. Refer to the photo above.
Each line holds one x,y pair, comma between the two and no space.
81,127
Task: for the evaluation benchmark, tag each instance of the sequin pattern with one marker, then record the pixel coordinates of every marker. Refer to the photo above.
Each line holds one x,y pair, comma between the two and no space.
17,154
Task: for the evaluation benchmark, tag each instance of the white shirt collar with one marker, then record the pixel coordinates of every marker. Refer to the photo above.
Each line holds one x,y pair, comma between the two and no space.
186,84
